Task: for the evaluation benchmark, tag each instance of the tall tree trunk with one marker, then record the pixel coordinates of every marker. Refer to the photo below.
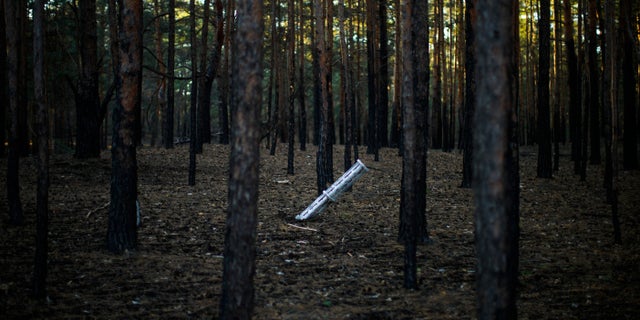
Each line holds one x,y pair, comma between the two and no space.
211,72
584,99
610,91
161,95
421,78
204,96
324,158
317,92
544,169
373,73
575,113
594,83
291,69
274,82
42,134
383,78
396,108
240,240
16,216
469,94
436,99
329,74
23,104
224,78
87,100
346,87
167,132
558,134
301,88
495,221
414,104
629,81
4,85
122,233
193,112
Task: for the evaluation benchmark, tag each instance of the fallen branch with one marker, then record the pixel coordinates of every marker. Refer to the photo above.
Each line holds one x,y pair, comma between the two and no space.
303,228
96,209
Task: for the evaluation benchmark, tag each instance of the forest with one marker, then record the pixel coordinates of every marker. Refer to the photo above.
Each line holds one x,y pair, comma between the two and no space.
156,155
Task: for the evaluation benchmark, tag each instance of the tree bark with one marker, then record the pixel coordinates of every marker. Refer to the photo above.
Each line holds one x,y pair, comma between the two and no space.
495,219
436,99
324,158
383,79
396,107
240,239
302,123
291,69
373,74
204,82
575,110
88,121
469,94
610,101
414,151
42,134
594,83
346,87
212,72
224,78
193,112
629,81
4,85
16,216
160,95
167,131
544,169
122,233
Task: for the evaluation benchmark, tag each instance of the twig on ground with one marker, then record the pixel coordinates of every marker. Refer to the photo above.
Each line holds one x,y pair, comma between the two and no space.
303,228
96,209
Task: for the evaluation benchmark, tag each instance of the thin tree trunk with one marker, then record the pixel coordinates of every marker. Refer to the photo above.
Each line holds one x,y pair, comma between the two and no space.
239,265
161,95
87,99
544,169
274,82
301,88
23,104
346,87
373,73
383,79
16,216
575,113
291,69
168,121
225,77
610,112
557,99
193,112
594,84
629,89
436,99
204,95
469,94
4,85
396,113
324,158
42,134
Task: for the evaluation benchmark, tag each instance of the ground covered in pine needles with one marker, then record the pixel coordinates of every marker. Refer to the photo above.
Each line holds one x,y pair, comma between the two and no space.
345,263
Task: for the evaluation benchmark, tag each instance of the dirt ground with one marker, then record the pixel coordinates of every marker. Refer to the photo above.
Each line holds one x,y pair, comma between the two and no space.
345,263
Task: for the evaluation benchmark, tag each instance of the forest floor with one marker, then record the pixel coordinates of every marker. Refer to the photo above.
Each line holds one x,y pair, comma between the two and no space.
345,264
